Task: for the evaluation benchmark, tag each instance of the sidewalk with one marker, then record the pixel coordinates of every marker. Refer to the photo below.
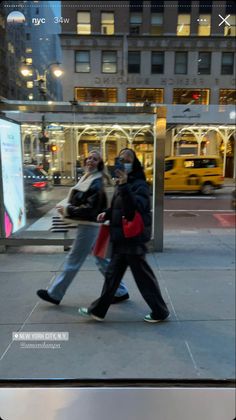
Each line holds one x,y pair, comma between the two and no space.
196,275
230,182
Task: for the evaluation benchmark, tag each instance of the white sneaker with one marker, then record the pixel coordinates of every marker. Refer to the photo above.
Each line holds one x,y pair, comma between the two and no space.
149,318
86,314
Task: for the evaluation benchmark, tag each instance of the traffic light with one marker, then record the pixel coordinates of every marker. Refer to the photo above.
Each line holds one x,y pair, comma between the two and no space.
196,96
43,138
54,148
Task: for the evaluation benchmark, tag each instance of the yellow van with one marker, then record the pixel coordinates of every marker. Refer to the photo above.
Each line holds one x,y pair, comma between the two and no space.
192,173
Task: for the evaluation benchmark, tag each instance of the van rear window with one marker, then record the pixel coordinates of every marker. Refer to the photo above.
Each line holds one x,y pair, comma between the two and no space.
200,163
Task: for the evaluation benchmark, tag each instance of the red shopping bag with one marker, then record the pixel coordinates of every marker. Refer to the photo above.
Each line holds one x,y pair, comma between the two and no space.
100,248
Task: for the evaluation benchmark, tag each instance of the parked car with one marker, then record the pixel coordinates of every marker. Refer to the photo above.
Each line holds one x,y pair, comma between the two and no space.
191,173
37,187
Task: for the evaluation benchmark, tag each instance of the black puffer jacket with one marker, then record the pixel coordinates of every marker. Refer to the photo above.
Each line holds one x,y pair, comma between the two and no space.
129,197
87,205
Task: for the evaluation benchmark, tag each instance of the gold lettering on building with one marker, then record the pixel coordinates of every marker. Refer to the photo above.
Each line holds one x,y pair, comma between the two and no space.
121,80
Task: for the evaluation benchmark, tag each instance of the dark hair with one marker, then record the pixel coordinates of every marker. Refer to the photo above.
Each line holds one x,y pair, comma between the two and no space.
100,165
137,167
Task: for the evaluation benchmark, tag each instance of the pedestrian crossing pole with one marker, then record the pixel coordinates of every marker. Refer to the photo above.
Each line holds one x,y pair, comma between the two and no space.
158,177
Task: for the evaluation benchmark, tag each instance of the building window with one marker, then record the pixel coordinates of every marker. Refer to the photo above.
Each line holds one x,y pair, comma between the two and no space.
156,23
183,26
230,28
227,97
205,6
157,6
181,63
136,5
204,63
10,47
184,6
96,94
82,61
230,13
109,61
227,63
134,62
107,23
158,62
28,61
2,22
204,25
191,97
142,95
28,50
83,23
135,22
29,84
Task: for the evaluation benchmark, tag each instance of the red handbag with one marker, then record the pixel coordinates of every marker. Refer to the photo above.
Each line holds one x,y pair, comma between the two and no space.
133,227
100,248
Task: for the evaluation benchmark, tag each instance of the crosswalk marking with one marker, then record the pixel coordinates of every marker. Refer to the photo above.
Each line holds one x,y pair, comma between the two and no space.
59,225
226,219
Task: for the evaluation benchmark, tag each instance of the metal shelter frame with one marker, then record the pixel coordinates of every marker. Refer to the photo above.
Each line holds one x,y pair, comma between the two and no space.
28,111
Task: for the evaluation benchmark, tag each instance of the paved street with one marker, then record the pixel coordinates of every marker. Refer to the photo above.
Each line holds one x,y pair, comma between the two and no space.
196,274
80,83
181,210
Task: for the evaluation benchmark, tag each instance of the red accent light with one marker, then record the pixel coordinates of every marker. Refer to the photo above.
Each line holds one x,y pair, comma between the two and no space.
39,184
196,96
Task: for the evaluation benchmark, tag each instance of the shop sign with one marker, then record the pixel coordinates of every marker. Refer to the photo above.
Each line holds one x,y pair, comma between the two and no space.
200,114
55,128
159,81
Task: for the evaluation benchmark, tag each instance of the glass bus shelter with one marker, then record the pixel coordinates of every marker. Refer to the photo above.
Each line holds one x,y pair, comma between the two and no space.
43,146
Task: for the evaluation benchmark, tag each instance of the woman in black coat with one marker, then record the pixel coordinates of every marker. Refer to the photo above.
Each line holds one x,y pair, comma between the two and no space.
132,194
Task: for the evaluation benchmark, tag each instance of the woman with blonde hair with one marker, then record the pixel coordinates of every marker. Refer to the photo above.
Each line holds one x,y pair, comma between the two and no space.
85,201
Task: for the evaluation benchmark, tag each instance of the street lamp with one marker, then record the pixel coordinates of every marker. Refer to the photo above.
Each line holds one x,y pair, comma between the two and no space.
42,78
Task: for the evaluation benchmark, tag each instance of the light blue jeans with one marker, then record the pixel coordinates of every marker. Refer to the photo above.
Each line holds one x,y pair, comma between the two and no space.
84,240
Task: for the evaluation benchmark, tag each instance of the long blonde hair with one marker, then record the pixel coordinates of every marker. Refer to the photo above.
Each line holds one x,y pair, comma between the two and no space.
102,168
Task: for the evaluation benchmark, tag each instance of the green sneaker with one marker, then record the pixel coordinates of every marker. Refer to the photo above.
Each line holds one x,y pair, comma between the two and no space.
86,314
149,318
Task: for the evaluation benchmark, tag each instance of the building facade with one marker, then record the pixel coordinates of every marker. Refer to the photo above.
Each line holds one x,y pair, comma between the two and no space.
24,42
43,50
172,53
178,54
12,49
163,52
3,53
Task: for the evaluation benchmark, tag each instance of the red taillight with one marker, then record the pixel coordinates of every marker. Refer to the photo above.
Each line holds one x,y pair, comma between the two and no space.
39,184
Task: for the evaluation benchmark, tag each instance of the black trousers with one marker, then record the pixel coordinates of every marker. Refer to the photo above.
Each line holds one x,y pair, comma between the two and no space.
144,278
